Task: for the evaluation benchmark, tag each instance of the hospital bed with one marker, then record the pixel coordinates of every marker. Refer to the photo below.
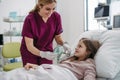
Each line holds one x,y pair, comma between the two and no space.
108,56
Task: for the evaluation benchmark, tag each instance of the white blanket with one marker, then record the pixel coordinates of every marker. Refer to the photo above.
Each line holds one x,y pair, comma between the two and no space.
41,73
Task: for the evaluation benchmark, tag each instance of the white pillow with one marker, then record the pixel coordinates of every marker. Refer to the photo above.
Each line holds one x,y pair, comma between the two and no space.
95,34
107,58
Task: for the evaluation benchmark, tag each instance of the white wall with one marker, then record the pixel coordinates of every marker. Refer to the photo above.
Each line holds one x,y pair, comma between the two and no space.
22,7
72,13
114,9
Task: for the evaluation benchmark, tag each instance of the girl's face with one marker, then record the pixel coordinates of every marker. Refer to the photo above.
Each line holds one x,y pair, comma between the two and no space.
47,10
80,50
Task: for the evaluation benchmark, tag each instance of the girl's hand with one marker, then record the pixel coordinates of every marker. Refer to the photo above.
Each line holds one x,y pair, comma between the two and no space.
29,65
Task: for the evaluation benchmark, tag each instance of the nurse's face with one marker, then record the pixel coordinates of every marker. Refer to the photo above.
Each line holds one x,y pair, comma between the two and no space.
47,10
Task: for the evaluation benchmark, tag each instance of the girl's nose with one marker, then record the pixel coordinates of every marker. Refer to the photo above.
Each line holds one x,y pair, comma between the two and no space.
76,48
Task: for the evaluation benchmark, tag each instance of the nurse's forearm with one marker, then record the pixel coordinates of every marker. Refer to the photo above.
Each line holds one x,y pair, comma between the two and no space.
30,46
33,50
59,40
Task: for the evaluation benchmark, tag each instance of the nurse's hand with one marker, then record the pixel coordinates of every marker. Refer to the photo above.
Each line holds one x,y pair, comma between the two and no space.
67,48
29,65
48,55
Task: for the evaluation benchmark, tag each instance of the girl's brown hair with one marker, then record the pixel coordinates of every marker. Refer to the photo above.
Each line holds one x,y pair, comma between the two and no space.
91,45
42,3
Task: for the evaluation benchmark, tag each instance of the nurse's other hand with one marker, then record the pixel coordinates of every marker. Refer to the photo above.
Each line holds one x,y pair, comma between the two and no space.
67,48
29,65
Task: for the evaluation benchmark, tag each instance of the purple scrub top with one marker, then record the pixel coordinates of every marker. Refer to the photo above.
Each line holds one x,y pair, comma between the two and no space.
41,32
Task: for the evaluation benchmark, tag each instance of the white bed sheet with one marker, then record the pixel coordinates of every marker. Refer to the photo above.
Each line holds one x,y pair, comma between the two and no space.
56,73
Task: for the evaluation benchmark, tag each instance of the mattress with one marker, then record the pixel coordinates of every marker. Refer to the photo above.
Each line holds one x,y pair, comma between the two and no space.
116,78
101,79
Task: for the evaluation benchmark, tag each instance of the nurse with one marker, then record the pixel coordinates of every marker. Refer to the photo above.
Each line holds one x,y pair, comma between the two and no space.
41,26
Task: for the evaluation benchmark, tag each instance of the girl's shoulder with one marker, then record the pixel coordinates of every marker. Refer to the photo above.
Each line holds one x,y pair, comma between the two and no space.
89,60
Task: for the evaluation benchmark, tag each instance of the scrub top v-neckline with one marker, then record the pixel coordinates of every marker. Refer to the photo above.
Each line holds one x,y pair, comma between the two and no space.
45,22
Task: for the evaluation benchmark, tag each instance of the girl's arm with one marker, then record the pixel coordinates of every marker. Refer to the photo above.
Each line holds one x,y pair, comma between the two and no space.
90,73
71,58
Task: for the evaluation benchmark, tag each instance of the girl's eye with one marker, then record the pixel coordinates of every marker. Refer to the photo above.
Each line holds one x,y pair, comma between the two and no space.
79,45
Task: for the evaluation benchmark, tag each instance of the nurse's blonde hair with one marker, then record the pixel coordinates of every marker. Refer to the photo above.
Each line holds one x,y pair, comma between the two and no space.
42,3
